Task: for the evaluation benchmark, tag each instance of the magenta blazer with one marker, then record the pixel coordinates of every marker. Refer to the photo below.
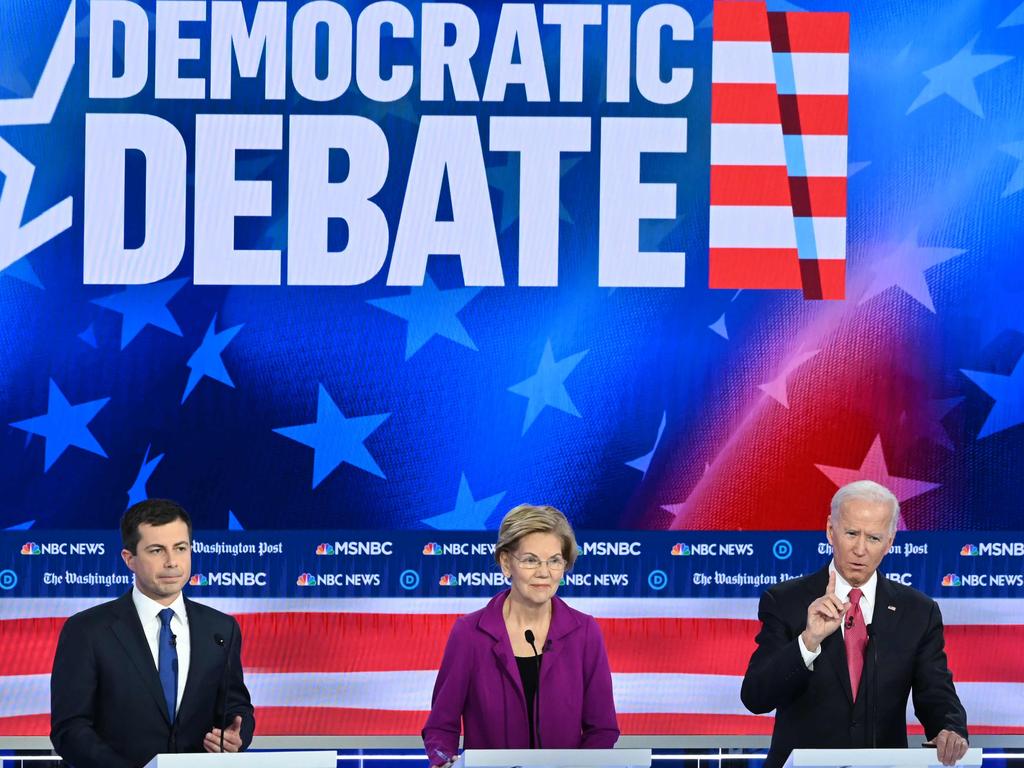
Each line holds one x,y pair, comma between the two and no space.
479,685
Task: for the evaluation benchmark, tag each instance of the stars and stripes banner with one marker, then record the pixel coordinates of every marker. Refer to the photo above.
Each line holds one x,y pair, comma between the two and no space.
397,267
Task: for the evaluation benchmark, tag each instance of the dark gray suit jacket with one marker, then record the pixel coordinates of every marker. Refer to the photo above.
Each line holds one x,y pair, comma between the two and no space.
816,709
107,708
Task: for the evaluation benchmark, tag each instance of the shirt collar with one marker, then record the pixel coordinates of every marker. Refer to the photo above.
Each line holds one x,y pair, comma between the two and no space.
150,609
843,587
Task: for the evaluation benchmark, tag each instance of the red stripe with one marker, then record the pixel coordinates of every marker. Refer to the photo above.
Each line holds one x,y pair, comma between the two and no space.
823,278
749,185
712,725
27,645
740,21
754,268
813,115
324,721
346,642
809,32
738,103
817,196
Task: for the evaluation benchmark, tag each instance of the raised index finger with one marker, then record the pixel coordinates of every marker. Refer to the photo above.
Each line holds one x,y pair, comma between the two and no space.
831,589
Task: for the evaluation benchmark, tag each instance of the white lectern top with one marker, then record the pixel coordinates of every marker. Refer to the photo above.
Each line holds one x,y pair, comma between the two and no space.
554,758
319,759
874,758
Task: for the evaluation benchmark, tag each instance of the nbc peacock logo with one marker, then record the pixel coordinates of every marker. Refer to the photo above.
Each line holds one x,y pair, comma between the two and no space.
447,580
199,580
306,580
951,580
30,548
681,550
431,548
325,549
969,550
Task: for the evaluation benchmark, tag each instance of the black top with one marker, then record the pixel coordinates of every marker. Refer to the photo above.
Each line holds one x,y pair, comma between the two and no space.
529,673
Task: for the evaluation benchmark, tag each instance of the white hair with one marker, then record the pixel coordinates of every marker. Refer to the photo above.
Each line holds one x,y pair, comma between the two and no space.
865,490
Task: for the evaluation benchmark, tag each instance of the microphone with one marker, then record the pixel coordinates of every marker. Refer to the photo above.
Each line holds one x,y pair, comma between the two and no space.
222,693
528,634
849,622
174,640
873,642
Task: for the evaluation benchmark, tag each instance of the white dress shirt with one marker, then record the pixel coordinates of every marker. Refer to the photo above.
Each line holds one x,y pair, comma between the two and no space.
843,587
149,615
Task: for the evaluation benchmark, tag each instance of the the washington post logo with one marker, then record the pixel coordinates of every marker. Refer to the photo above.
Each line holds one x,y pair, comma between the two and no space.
779,102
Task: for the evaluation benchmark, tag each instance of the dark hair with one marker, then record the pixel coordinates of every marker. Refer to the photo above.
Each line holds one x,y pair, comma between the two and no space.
151,512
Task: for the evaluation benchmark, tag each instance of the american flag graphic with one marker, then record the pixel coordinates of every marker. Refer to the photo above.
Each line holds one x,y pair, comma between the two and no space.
366,666
779,91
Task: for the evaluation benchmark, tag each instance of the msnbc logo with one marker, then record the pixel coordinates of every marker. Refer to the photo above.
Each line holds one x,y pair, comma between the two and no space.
951,580
969,550
306,580
447,580
431,548
681,550
325,549
199,580
30,548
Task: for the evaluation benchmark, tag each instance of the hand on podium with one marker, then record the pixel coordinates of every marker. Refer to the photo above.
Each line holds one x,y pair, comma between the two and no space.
950,746
232,737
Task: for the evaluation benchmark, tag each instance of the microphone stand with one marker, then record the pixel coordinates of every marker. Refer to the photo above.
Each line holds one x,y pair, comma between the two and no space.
536,700
222,694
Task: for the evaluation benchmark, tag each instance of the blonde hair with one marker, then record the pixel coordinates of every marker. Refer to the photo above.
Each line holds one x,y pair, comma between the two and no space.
529,518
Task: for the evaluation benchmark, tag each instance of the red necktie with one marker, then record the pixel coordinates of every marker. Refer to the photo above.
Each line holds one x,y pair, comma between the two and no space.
856,639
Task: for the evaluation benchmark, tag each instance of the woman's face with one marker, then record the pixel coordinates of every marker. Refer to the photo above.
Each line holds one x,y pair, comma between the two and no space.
534,586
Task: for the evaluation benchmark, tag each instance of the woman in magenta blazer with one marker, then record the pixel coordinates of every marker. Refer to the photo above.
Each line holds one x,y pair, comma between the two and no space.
493,683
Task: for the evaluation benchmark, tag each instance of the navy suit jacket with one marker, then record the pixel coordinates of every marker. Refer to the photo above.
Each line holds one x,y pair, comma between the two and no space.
107,708
816,709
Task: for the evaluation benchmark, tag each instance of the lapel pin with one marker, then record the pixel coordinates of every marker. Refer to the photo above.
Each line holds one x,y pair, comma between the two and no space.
891,607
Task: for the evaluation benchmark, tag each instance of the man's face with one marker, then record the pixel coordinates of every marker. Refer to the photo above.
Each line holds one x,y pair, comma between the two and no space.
162,562
860,539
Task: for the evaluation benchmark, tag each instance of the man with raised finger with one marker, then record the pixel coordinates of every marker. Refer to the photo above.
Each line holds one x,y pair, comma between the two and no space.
841,650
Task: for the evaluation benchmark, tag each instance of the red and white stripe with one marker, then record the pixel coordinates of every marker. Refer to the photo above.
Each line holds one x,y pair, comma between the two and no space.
812,63
367,667
778,149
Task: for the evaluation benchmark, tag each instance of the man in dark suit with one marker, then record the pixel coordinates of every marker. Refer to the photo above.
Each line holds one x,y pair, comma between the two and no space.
849,689
150,672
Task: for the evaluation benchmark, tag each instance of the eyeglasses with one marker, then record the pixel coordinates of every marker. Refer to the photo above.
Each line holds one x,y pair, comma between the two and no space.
532,562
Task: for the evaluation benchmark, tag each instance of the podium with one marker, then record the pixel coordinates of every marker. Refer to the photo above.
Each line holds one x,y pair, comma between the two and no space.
554,758
319,759
875,758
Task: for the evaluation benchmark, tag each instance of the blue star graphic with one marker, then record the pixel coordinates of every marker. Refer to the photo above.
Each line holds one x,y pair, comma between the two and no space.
955,78
720,328
64,425
21,526
144,305
469,514
547,386
138,490
904,266
1016,151
88,336
1007,391
430,313
206,361
335,439
1015,19
234,524
22,270
644,462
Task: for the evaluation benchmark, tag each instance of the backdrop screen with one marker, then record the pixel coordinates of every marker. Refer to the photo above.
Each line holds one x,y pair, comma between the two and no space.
350,280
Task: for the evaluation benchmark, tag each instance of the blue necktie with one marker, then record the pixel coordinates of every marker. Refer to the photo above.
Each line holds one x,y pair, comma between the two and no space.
168,663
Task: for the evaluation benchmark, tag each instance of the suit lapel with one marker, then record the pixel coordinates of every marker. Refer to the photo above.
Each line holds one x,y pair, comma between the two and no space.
833,648
493,623
127,628
562,624
198,651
